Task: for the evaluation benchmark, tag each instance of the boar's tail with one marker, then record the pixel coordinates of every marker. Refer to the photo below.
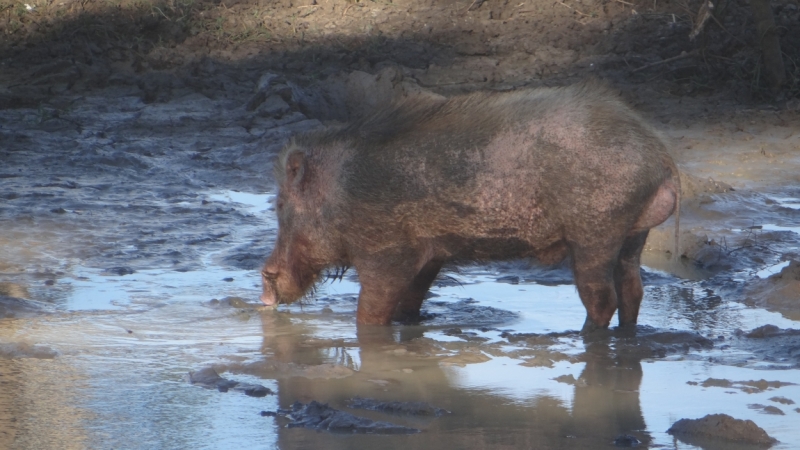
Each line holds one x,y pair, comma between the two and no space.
676,179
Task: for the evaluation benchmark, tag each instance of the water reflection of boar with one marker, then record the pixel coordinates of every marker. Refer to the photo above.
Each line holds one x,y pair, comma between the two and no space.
544,173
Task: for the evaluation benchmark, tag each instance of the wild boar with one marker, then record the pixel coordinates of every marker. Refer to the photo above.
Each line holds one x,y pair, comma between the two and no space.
535,173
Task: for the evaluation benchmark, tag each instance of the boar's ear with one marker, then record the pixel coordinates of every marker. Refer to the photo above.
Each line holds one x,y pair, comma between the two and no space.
295,167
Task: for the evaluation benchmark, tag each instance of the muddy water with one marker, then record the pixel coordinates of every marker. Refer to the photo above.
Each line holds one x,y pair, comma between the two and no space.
128,256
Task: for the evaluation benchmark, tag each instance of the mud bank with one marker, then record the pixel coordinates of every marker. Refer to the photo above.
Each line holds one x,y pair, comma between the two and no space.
719,431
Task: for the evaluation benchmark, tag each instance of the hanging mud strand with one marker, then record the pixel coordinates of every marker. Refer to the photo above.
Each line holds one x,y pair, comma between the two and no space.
336,273
309,296
453,279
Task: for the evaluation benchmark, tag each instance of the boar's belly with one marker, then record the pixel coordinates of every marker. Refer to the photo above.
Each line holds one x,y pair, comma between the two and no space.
461,248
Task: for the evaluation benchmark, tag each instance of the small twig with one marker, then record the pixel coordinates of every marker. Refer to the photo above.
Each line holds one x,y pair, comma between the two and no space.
345,10
722,58
570,7
625,3
703,14
729,33
665,61
475,5
626,62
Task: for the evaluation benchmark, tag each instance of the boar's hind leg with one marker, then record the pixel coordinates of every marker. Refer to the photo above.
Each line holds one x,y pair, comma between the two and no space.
594,278
392,288
627,279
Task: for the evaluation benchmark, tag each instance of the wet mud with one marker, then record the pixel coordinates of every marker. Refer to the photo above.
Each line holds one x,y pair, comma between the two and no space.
209,378
721,431
399,408
324,418
135,216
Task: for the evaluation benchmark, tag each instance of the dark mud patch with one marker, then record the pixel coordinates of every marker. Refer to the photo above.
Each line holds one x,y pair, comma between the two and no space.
280,370
234,302
463,312
767,409
721,431
524,272
209,378
734,237
649,342
247,257
16,350
749,387
11,307
532,271
646,342
567,379
779,292
322,417
782,400
469,336
770,331
119,271
771,344
627,440
416,409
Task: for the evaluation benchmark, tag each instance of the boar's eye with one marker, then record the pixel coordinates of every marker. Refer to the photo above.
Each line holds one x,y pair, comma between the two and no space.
280,205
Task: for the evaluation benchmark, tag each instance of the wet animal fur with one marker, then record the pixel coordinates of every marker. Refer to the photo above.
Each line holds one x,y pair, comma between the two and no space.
436,167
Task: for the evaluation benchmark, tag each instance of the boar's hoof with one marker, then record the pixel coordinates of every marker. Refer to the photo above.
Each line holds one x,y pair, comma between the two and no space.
591,329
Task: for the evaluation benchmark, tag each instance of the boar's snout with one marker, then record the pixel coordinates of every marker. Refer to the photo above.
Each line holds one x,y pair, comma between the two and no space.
283,286
268,297
269,278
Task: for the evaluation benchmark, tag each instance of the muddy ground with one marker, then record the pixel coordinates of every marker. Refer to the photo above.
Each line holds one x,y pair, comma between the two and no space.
136,142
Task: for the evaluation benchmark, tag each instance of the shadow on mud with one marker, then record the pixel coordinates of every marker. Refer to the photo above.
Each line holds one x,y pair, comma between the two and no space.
69,46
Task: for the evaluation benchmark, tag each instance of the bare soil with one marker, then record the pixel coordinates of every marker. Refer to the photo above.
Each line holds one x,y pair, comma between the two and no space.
53,47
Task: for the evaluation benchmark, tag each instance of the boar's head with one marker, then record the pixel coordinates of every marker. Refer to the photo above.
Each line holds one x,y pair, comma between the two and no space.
307,233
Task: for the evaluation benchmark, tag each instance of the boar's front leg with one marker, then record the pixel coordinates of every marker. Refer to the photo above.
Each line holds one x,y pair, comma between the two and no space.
628,281
393,287
594,277
411,300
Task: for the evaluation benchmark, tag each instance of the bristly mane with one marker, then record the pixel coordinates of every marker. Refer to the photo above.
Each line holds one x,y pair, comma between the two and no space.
395,118
407,114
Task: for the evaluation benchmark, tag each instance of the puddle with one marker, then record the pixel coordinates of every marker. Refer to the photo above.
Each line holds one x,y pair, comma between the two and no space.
137,336
666,397
90,290
787,202
772,270
501,376
771,227
256,203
